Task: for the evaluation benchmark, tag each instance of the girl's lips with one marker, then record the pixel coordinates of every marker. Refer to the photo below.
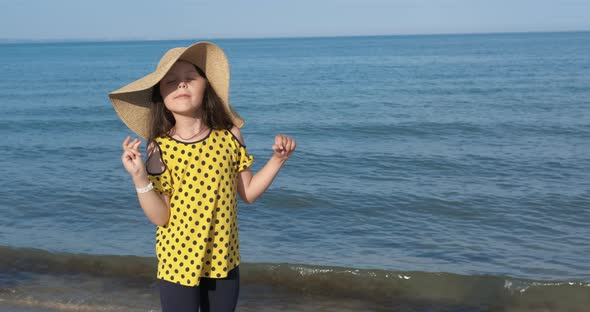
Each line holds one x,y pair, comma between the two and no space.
181,95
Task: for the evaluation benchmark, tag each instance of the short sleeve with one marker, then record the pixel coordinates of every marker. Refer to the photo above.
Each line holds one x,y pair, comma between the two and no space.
162,183
158,173
245,160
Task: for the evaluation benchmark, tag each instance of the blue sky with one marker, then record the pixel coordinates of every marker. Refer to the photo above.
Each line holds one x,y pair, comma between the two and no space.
180,19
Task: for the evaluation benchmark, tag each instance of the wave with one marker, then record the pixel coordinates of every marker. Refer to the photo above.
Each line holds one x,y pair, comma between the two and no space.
380,289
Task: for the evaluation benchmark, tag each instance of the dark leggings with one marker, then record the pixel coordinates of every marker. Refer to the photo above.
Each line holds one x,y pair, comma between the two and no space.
212,294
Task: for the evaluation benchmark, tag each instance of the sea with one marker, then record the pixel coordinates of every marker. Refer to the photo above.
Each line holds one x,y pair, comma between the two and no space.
432,173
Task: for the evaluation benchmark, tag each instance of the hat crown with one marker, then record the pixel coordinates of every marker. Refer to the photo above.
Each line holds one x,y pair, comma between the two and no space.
171,55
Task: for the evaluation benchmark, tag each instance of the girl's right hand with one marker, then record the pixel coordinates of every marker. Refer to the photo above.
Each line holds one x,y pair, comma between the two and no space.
131,158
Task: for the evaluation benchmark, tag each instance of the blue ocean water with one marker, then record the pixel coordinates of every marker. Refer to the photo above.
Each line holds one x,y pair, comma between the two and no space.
465,154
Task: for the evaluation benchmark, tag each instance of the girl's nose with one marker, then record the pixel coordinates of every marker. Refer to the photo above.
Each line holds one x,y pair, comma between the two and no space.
182,84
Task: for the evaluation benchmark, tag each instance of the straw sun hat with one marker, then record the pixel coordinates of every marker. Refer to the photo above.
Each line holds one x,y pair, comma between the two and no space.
133,101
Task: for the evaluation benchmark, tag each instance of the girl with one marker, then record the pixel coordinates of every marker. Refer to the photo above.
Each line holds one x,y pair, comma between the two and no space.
196,163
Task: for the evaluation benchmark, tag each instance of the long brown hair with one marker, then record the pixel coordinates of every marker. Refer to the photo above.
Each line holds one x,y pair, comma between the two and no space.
214,113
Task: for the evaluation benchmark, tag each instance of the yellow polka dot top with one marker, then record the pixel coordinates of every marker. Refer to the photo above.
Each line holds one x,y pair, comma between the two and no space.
200,178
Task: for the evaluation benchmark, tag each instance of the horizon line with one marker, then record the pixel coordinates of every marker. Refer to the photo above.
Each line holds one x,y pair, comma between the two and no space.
65,40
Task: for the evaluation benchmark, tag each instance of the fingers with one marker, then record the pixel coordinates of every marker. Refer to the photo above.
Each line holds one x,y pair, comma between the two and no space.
281,141
128,156
136,146
284,145
277,149
290,145
132,147
126,142
278,141
284,140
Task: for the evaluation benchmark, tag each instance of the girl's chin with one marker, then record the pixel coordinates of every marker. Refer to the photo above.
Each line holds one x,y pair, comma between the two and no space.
185,111
182,101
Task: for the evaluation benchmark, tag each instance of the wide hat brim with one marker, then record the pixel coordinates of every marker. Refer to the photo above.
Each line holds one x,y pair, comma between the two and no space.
133,101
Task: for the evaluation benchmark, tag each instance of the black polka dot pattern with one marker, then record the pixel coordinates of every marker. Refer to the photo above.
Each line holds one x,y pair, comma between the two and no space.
201,236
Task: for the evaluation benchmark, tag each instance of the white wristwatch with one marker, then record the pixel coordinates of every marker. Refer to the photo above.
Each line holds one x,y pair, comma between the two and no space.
145,189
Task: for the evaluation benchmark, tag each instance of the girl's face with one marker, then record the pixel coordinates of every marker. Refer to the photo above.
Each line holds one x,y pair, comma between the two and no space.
182,89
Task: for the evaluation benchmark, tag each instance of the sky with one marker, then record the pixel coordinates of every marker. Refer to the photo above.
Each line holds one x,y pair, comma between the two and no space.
184,19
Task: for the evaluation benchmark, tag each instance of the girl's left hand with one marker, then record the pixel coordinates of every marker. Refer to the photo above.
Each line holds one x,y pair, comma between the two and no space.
284,146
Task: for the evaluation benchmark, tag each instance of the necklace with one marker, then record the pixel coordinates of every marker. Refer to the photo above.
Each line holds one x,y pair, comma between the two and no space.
200,131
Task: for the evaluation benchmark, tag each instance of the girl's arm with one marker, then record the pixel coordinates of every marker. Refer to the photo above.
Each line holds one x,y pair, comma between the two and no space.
154,205
250,187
